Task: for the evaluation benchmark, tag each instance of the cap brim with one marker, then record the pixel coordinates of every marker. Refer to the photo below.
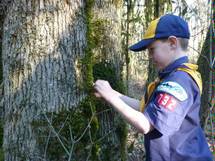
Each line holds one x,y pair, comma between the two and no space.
141,45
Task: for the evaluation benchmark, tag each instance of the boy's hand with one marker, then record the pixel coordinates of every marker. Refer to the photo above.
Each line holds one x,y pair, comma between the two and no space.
103,89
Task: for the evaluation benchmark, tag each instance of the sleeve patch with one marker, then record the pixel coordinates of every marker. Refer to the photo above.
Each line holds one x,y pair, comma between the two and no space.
166,101
174,89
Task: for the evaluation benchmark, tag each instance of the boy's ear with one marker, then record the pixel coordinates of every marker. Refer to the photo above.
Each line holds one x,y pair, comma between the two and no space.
173,41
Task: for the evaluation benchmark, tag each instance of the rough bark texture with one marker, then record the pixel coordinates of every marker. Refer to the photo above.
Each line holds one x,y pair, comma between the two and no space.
52,51
204,65
42,44
106,22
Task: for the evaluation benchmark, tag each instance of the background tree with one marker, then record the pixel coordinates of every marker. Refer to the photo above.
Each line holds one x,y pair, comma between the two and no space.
206,62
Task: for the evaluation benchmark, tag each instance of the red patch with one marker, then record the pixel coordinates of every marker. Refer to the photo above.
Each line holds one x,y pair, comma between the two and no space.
167,101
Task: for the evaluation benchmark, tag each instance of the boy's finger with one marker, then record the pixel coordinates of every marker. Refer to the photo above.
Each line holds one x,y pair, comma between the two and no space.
97,95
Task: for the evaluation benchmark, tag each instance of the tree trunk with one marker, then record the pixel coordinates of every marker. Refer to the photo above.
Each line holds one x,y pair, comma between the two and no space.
52,51
42,44
204,65
107,51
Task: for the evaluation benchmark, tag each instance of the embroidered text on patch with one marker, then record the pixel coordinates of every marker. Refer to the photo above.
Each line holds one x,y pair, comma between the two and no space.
174,89
167,101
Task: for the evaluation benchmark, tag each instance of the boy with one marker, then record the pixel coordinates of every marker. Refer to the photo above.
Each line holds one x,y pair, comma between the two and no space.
168,114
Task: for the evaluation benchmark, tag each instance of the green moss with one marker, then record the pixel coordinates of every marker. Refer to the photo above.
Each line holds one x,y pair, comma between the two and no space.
95,36
107,71
88,105
78,119
69,124
88,59
98,33
1,155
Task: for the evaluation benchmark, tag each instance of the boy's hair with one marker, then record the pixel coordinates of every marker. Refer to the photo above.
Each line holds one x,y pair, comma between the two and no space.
183,42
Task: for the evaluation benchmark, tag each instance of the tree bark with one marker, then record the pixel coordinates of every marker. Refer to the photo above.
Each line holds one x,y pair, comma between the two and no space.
206,63
42,44
106,22
50,51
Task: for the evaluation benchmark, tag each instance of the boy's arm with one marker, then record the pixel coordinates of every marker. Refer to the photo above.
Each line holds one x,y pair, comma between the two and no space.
135,118
134,103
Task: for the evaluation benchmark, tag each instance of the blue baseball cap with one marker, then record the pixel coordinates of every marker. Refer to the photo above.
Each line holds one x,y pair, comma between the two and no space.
163,27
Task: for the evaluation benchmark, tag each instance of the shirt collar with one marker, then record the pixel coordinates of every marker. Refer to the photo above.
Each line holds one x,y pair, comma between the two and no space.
171,67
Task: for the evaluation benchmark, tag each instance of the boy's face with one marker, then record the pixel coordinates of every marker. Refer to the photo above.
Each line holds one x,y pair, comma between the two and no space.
161,54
